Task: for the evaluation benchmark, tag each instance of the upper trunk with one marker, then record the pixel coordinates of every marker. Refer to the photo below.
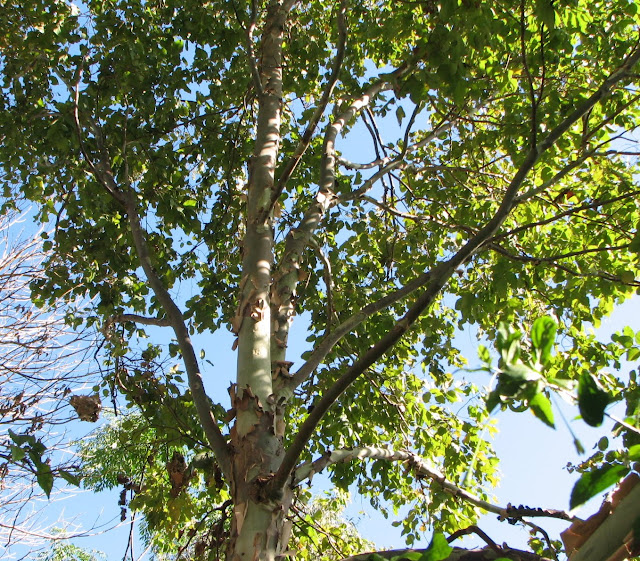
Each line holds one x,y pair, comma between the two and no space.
258,527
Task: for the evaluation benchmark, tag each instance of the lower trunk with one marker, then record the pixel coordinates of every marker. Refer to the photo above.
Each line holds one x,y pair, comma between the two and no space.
259,527
260,531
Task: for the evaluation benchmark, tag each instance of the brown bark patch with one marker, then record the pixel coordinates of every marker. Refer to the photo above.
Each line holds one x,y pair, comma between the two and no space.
176,469
87,407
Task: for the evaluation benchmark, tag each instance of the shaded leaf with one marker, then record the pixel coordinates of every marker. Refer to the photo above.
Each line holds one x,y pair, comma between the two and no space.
593,482
44,476
592,400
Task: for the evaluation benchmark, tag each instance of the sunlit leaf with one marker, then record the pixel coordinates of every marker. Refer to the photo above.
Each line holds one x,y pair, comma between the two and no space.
543,334
541,407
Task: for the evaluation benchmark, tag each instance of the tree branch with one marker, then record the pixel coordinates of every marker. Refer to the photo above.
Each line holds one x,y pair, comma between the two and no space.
458,554
304,142
587,206
100,170
251,56
440,274
174,316
123,318
347,326
286,277
421,469
445,124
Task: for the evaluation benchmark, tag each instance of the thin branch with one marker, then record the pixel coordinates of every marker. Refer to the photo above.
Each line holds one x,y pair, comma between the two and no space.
551,260
443,126
440,274
328,282
527,71
123,318
414,462
174,316
101,172
587,206
420,468
251,56
286,276
478,532
348,325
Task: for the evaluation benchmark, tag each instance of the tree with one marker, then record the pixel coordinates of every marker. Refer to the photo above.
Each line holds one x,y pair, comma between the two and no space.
202,166
41,365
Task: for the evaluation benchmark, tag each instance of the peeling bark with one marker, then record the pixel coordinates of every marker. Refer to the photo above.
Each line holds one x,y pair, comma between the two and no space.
259,526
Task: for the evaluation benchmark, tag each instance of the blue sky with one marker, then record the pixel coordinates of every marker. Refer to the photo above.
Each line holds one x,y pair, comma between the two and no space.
533,466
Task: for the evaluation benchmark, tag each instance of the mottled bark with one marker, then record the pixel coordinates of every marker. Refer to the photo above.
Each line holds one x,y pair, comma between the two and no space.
259,528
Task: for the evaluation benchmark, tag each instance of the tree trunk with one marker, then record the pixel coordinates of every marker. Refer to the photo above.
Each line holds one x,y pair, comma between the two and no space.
259,529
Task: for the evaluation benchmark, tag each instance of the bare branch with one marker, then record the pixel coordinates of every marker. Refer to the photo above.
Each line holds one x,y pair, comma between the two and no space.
42,361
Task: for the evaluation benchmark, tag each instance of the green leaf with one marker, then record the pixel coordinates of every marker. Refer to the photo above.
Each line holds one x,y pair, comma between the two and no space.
438,549
593,482
543,335
634,246
633,353
634,452
578,446
21,439
546,13
70,477
410,556
541,407
484,354
592,401
493,400
521,372
17,453
44,476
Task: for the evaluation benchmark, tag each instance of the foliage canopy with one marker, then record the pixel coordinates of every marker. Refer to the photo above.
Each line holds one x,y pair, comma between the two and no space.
207,166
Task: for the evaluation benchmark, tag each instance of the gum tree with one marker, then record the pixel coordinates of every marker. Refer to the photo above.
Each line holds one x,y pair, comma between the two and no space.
375,175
